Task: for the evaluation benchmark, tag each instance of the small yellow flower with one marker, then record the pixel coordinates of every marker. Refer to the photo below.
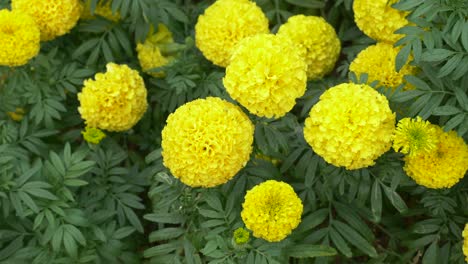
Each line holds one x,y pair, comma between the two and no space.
379,20
271,210
153,52
317,41
102,9
266,75
351,126
465,242
17,115
378,61
224,24
241,236
93,135
442,167
115,100
413,136
19,38
54,17
206,142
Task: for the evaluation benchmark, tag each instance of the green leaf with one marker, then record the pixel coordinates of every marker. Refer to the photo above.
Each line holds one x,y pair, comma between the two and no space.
307,3
167,218
462,98
70,245
41,193
160,250
464,36
123,232
446,110
166,234
402,57
436,55
376,201
355,238
454,122
309,251
395,199
340,244
407,5
402,97
450,66
85,47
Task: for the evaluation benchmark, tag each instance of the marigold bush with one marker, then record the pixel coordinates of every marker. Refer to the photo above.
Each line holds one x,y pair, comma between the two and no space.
233,131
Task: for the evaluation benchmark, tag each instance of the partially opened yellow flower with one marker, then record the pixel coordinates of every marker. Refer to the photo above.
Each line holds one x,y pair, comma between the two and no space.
442,167
17,115
378,61
224,24
413,136
19,38
379,20
272,210
54,17
206,142
102,9
153,52
93,135
317,41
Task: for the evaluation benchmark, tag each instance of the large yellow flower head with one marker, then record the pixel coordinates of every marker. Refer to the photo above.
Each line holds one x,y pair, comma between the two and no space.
19,37
413,136
54,17
266,75
378,61
224,24
115,100
350,126
465,242
442,167
378,19
102,9
206,142
317,42
271,210
151,53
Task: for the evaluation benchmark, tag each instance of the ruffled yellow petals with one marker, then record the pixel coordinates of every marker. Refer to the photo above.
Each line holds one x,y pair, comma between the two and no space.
413,136
206,142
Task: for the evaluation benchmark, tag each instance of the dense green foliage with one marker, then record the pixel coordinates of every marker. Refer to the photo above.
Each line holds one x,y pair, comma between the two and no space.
63,200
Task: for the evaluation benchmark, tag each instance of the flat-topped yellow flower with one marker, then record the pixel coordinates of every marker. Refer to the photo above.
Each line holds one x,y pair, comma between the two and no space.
317,41
224,24
379,20
272,210
115,100
19,37
54,17
351,126
442,167
151,53
206,142
266,75
378,61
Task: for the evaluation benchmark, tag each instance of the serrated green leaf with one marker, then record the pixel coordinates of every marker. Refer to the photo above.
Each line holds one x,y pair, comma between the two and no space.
309,251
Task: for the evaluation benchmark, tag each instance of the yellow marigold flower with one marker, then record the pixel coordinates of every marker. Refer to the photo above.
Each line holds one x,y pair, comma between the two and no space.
93,135
378,19
442,167
350,126
378,61
465,242
102,9
266,75
54,17
17,115
241,236
152,54
413,136
19,36
224,24
115,100
272,210
206,142
317,42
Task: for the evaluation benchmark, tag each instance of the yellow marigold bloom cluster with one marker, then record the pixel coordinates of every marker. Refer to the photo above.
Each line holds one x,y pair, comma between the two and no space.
317,41
241,236
465,242
19,37
350,126
102,9
442,167
378,19
93,135
413,136
378,61
54,17
266,75
206,142
224,24
17,115
115,100
272,210
151,53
